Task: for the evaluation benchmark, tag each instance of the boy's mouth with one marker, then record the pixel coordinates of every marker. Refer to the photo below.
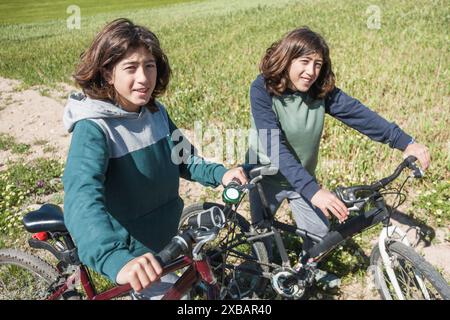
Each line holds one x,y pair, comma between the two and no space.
142,90
306,79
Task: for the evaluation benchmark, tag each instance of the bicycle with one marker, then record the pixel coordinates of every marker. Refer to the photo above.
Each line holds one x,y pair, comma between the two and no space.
26,276
399,272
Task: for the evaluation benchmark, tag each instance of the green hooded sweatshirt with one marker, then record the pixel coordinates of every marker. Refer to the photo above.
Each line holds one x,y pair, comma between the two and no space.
121,181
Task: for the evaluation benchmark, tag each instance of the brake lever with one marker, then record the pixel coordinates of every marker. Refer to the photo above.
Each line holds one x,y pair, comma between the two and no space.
417,171
201,238
357,206
346,195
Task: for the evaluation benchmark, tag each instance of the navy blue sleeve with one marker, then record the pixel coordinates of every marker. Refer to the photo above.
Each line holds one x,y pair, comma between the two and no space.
265,118
357,116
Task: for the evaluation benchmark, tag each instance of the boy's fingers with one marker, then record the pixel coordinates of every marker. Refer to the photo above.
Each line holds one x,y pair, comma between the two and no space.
143,278
325,212
135,283
156,267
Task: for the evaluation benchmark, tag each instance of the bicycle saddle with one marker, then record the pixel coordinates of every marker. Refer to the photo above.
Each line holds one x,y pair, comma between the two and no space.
263,170
49,217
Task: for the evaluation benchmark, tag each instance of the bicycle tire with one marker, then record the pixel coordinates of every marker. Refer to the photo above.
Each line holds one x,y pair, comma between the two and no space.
24,276
434,281
257,284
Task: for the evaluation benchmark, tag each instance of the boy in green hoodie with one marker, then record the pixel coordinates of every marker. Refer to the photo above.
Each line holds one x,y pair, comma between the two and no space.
122,174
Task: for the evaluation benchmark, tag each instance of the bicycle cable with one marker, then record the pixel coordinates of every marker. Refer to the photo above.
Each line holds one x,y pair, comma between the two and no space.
400,198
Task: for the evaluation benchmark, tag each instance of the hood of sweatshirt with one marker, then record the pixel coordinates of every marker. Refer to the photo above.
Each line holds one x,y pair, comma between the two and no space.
80,107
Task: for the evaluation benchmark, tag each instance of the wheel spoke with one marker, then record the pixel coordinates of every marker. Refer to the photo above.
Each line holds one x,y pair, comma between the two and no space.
24,276
406,278
19,283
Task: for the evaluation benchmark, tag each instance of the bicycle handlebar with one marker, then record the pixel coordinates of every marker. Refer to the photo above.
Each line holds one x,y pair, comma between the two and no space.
180,244
409,162
233,191
200,225
348,194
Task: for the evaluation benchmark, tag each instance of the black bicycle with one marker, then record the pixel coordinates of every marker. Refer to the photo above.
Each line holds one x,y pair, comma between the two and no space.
241,264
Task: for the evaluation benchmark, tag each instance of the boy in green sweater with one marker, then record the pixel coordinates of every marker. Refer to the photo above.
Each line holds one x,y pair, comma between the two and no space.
122,174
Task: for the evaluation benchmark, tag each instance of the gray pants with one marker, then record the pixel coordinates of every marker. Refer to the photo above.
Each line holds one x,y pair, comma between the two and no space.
306,216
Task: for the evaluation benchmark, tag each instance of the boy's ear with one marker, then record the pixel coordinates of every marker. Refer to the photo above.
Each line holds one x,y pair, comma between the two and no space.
108,76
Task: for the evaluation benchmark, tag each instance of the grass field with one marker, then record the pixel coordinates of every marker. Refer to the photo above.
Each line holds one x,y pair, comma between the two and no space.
400,70
26,11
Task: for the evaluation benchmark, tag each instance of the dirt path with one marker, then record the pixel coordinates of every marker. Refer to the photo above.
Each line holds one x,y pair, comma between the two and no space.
36,119
33,119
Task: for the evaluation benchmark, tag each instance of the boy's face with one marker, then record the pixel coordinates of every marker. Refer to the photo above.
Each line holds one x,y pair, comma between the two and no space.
134,78
304,71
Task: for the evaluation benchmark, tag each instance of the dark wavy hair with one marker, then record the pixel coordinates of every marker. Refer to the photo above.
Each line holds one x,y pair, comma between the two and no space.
108,48
275,64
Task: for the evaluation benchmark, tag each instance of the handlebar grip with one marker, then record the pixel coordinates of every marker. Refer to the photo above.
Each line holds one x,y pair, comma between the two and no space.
410,162
177,246
410,159
235,183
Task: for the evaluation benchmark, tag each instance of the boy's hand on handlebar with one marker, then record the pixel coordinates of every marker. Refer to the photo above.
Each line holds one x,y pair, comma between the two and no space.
328,202
421,152
235,173
140,272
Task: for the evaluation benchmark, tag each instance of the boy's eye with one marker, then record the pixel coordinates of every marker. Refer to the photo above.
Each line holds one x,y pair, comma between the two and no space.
151,65
130,68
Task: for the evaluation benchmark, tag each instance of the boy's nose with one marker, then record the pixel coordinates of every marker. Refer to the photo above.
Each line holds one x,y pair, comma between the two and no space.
310,69
141,75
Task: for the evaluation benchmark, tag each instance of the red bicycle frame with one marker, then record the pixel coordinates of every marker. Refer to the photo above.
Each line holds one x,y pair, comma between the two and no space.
197,270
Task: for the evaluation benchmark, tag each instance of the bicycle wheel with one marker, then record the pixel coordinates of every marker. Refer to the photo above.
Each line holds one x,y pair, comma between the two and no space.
24,276
408,265
239,269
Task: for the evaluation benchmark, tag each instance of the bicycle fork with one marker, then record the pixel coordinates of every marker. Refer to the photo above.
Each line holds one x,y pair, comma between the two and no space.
387,233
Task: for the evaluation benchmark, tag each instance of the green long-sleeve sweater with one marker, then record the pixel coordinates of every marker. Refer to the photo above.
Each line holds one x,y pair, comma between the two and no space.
121,181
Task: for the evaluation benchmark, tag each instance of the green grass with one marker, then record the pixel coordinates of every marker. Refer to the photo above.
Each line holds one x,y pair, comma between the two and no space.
401,71
7,142
29,11
20,184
